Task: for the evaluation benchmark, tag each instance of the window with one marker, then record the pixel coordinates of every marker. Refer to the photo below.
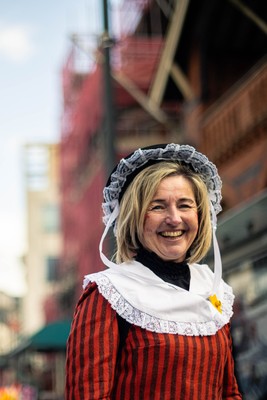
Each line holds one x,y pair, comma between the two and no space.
51,218
52,269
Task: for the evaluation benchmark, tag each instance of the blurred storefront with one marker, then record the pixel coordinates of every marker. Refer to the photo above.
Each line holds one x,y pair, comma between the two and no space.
35,368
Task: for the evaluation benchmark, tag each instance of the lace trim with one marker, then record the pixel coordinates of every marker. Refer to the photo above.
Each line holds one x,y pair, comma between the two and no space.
154,324
172,152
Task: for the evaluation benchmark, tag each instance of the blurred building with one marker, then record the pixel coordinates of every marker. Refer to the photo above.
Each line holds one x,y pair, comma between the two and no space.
33,357
186,71
242,237
44,241
181,71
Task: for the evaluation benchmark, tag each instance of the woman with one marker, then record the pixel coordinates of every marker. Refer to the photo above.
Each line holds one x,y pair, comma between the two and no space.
155,325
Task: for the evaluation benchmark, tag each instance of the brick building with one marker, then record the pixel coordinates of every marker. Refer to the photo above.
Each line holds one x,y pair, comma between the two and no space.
182,71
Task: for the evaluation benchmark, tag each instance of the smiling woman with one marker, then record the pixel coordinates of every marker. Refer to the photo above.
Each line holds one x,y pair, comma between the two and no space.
155,325
147,196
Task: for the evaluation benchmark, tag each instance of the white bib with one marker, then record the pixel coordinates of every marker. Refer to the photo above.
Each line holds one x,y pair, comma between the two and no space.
144,299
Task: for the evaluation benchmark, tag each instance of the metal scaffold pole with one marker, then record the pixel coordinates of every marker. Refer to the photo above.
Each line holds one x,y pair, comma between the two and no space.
109,126
109,117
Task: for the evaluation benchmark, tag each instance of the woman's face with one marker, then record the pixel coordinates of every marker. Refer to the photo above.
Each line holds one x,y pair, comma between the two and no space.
171,221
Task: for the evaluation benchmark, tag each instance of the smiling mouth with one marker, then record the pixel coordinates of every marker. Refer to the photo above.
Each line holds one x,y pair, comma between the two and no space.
172,234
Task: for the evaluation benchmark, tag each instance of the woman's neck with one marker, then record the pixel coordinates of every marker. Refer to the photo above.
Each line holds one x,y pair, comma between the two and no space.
175,273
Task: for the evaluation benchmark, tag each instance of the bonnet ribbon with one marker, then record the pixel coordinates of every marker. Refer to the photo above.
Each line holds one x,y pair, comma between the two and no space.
112,218
217,255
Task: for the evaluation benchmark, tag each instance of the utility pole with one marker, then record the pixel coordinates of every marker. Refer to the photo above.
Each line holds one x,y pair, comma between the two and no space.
109,120
109,123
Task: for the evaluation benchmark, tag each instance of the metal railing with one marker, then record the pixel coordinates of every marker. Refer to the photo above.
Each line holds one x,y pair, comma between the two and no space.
237,117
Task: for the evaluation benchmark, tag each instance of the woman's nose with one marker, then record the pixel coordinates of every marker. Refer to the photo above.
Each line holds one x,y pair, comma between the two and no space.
173,216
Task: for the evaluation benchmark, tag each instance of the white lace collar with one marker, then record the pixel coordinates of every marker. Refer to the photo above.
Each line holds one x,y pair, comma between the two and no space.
144,299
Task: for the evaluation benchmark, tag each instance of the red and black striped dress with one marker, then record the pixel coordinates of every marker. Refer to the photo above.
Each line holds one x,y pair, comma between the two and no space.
150,365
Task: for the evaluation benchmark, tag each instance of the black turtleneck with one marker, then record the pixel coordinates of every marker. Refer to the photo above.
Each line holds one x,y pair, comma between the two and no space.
175,273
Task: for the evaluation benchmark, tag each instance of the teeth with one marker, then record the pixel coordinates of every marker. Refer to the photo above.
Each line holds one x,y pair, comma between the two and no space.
172,234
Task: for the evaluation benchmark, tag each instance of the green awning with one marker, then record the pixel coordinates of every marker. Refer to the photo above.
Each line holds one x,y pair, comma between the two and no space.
52,337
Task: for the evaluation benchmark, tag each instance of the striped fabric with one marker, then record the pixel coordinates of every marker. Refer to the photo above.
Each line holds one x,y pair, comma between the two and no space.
151,366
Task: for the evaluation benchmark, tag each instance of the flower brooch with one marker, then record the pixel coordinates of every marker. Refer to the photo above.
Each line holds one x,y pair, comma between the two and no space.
216,302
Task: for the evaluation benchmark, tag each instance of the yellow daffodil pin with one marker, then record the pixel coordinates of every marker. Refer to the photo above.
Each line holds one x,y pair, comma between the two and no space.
216,302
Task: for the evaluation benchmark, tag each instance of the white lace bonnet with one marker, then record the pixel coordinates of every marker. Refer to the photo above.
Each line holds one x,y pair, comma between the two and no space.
129,167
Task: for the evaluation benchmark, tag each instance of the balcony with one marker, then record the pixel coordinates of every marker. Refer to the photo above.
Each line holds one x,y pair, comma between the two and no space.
237,118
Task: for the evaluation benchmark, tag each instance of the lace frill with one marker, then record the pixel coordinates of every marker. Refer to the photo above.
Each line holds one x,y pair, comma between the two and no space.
172,152
158,325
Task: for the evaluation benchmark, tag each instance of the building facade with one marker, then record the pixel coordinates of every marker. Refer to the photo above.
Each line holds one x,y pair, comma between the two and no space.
41,163
181,71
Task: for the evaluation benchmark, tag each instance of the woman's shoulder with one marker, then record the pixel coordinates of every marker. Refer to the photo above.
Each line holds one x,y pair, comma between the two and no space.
92,299
88,290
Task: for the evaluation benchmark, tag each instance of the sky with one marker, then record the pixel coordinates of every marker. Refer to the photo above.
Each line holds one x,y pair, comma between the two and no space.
34,42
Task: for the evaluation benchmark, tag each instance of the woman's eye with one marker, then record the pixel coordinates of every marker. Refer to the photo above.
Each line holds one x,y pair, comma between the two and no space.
156,207
185,206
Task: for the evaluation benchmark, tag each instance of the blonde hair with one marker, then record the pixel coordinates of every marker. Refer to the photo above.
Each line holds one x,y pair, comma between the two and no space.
138,196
